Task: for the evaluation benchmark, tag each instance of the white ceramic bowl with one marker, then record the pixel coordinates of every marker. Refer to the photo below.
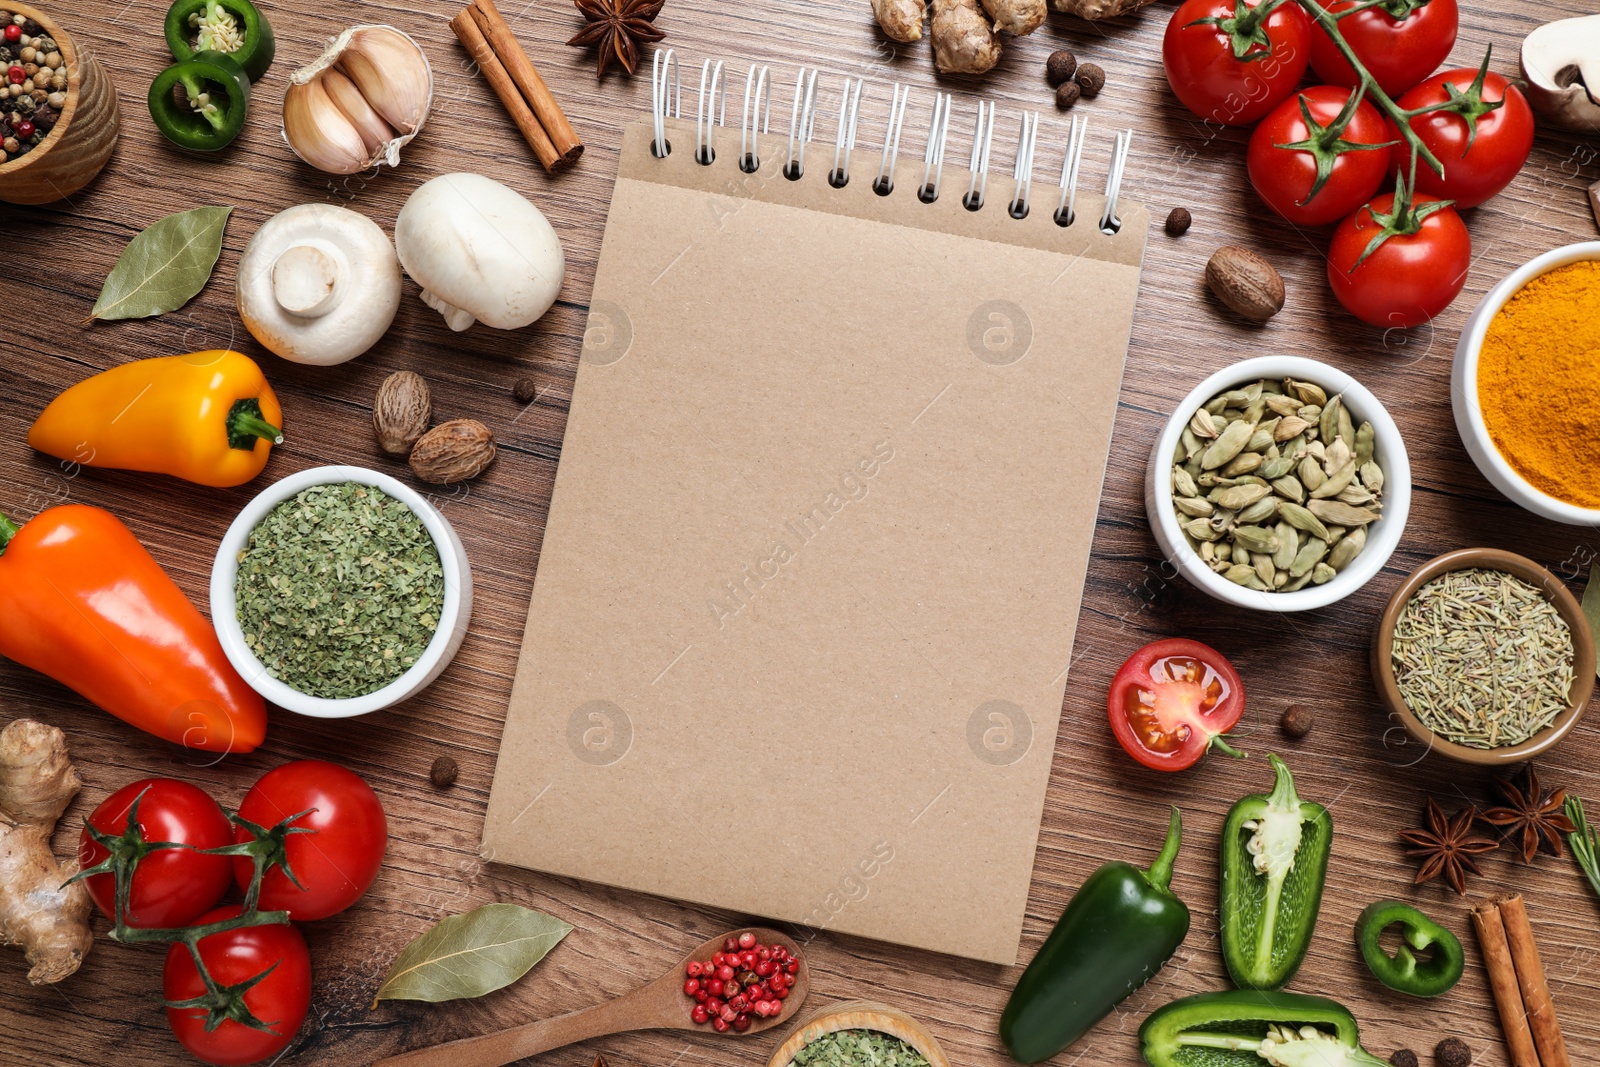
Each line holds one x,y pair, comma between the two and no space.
1382,536
441,649
1464,392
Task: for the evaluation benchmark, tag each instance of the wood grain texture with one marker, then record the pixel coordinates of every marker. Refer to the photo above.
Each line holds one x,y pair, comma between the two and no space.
1099,807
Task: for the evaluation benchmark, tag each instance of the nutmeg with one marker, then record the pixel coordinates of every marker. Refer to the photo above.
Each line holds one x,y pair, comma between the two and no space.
1245,282
453,451
401,412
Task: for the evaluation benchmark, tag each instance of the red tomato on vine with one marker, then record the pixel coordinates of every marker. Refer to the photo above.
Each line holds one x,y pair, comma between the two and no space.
1230,63
1400,42
171,885
1483,137
1412,274
1319,155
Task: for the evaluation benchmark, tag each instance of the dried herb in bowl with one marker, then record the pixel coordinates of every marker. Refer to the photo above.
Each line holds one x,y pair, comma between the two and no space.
1483,658
339,590
858,1048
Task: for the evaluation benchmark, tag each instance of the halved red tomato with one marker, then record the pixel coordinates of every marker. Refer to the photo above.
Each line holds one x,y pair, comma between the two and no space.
1172,701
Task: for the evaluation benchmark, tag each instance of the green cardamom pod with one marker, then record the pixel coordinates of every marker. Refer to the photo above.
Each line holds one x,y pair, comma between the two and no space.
1273,469
1372,476
1264,568
1238,497
1288,427
1355,493
1193,506
1201,424
1241,574
1242,464
1288,546
1311,473
1336,482
1183,483
1342,514
1190,444
1289,487
1296,584
1217,406
1348,548
1312,413
1347,430
1310,554
1322,574
1328,423
1259,512
1366,436
1311,394
1279,404
1303,520
1200,530
1241,554
1256,539
1228,444
1335,533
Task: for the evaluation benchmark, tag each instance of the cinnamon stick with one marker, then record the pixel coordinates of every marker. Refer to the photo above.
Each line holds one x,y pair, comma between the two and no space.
526,76
1535,989
471,37
1502,973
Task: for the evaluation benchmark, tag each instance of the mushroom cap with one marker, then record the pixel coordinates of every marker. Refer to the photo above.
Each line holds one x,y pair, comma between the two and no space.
1561,62
318,284
480,251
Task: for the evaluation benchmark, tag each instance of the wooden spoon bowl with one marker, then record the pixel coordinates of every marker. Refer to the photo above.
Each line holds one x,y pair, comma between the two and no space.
661,1005
861,1015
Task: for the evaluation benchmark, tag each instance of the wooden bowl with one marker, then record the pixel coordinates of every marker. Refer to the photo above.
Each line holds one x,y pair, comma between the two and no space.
83,137
1582,645
861,1015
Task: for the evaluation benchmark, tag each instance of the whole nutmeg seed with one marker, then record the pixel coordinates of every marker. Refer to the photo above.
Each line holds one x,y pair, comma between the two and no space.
1067,94
453,451
1179,221
1091,79
1452,1052
1297,720
401,412
1060,67
444,772
1244,281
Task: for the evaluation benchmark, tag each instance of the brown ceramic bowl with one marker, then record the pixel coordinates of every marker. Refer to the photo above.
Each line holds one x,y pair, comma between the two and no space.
861,1015
1530,572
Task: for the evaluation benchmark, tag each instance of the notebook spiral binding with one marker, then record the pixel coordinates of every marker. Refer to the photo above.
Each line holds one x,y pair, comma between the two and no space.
711,112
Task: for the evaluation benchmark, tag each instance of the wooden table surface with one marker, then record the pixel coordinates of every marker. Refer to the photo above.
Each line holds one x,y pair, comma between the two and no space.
1100,806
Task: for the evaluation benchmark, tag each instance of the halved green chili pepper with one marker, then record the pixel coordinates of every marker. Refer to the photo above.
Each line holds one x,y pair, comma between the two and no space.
1403,972
1117,931
1250,1028
216,95
232,27
1274,862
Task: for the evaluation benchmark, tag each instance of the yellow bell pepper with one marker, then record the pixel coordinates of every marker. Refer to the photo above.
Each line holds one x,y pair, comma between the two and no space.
208,417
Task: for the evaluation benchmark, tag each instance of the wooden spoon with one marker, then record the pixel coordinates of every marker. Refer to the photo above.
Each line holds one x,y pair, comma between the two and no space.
661,1005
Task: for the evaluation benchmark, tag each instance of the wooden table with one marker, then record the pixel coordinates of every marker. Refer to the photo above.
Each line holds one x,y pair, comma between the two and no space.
1100,805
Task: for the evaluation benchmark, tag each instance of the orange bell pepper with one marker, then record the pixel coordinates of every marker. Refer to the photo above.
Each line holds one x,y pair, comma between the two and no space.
208,417
82,601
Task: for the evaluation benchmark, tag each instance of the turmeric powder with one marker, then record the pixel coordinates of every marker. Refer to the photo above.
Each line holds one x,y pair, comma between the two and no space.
1539,383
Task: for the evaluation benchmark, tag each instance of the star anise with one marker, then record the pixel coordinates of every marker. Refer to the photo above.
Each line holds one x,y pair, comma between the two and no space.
1531,817
1447,845
618,26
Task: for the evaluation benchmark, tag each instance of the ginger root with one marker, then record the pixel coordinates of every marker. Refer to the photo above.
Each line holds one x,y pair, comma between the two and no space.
48,920
901,20
1100,9
1016,17
964,42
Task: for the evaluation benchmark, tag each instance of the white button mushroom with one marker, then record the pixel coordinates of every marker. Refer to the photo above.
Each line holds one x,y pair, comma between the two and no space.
480,251
318,284
1561,61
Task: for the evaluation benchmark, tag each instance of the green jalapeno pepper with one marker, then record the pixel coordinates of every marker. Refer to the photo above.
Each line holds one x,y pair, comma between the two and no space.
1274,862
1403,972
216,94
1252,1028
232,27
1117,931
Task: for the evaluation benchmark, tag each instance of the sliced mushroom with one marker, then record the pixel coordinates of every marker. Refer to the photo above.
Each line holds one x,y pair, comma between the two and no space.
1561,62
318,284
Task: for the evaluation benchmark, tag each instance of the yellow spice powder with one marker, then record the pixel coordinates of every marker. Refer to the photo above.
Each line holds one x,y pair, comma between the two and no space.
1539,383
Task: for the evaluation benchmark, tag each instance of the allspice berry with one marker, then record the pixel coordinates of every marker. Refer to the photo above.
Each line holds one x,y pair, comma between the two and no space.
1060,67
526,391
1452,1052
1067,94
444,772
1404,1058
1091,79
1297,720
1179,221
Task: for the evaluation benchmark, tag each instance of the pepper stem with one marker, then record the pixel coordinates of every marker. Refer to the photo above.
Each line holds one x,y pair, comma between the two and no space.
8,530
1220,743
1160,873
1283,792
246,425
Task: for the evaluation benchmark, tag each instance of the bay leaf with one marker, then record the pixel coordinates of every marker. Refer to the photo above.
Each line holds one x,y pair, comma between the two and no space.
469,955
1591,602
164,266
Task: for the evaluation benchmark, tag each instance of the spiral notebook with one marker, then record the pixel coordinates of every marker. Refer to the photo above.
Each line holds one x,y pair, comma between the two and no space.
805,604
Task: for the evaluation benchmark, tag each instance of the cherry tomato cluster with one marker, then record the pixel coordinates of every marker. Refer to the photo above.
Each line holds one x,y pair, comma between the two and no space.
1323,155
321,834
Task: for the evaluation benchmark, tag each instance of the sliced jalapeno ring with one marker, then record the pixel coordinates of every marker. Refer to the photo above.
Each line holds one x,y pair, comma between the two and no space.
216,94
232,27
1429,961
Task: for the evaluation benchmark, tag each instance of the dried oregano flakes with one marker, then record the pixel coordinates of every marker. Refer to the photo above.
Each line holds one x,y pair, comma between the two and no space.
339,590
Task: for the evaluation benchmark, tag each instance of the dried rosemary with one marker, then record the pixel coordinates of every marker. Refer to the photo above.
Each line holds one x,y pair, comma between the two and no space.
339,590
1483,658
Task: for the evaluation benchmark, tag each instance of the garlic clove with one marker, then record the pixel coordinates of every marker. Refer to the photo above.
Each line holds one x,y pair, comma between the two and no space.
375,133
318,131
391,72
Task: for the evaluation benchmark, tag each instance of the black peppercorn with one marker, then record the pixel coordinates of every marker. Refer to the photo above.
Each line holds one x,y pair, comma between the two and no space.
1060,67
444,772
1297,720
1091,79
1404,1058
1452,1052
1179,221
525,391
1067,94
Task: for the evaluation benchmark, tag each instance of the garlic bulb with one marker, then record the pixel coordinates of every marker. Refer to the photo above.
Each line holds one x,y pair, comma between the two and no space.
361,100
